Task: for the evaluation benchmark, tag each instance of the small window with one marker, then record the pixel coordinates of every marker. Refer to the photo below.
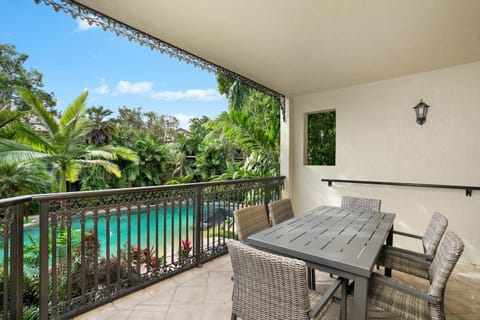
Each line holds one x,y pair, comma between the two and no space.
320,139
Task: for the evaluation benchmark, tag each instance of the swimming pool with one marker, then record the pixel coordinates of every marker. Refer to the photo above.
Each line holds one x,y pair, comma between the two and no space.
171,224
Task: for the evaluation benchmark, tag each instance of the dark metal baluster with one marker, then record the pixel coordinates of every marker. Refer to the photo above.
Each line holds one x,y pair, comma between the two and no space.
148,257
69,258
95,247
6,244
208,203
107,251
165,232
157,252
129,242
198,221
44,279
216,217
119,244
172,228
139,245
16,258
188,236
180,236
54,268
83,255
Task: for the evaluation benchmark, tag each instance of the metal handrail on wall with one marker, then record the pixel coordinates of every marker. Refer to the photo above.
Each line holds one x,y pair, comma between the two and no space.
468,189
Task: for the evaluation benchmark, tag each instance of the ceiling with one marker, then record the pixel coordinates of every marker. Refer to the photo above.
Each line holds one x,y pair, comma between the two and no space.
303,46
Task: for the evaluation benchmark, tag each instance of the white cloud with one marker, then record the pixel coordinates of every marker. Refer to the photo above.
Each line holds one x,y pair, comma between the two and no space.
124,87
103,89
82,25
183,120
191,94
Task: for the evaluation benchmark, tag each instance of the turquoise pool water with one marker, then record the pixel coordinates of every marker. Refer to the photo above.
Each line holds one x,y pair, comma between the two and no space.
172,224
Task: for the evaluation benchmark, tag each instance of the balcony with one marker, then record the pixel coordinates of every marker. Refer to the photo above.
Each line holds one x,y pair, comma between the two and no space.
171,244
89,248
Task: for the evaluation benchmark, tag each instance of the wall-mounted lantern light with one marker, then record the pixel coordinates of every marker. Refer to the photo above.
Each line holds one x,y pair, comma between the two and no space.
421,110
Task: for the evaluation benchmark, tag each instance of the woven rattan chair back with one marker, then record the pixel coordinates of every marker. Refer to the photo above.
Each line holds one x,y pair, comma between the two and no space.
434,233
442,266
250,220
280,210
267,286
361,203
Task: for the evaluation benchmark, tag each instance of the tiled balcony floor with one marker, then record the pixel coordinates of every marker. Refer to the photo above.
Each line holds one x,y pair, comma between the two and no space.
205,293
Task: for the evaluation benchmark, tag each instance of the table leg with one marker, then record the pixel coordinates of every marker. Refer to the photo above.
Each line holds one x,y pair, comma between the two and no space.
360,297
388,271
343,302
311,278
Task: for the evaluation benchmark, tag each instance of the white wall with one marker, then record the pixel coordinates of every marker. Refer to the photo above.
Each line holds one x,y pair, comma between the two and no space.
378,139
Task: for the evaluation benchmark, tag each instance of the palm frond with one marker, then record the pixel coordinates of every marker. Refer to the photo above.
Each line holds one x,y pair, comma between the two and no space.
13,152
121,152
73,118
28,137
72,170
107,165
99,154
43,115
7,117
74,111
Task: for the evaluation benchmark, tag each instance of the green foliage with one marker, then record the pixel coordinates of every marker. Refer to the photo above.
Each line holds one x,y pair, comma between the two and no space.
225,230
103,130
61,143
252,125
13,75
23,178
321,138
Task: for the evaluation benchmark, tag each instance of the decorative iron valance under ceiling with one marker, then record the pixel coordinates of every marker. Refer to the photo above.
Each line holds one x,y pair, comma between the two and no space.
93,17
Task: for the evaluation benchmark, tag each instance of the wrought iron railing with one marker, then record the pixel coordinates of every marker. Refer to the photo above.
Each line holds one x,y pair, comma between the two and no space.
89,248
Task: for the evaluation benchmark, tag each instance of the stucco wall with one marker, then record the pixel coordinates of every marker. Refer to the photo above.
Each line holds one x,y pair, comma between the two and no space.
378,139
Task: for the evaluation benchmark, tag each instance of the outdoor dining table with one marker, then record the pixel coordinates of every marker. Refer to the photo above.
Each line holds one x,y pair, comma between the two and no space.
341,241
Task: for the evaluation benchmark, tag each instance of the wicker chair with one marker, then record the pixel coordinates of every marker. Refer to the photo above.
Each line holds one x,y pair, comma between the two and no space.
413,262
280,210
268,286
408,302
250,220
361,203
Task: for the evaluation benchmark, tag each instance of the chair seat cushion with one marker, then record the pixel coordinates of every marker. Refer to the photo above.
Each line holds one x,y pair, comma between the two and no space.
404,263
401,304
315,297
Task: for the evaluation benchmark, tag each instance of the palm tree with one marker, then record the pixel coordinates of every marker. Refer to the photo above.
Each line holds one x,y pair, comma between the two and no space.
20,179
254,128
103,130
61,144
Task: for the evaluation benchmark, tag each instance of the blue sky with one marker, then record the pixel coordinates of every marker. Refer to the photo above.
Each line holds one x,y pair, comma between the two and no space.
74,57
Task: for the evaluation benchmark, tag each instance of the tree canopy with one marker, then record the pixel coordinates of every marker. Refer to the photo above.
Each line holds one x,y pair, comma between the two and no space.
14,75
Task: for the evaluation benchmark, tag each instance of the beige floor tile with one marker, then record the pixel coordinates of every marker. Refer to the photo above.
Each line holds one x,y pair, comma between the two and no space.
199,281
129,302
465,301
189,296
220,279
217,311
192,274
474,316
101,313
184,312
149,311
218,295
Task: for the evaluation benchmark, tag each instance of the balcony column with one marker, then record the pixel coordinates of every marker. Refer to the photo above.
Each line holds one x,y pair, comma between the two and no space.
286,150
